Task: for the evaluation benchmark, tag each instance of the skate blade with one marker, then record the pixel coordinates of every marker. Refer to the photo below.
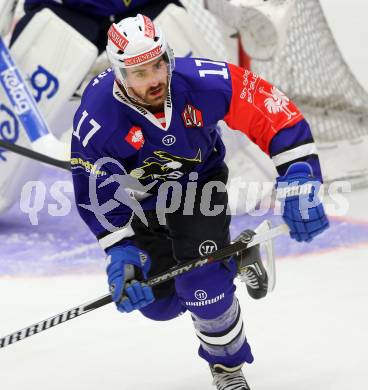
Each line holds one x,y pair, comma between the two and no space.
268,255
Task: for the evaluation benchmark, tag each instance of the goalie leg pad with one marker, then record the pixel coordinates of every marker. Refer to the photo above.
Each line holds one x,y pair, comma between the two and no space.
55,58
54,75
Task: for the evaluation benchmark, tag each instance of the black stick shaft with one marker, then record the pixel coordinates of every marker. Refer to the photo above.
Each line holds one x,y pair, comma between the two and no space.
218,255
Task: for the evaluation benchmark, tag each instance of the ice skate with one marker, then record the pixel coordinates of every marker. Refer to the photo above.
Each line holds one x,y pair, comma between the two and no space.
228,378
254,275
251,269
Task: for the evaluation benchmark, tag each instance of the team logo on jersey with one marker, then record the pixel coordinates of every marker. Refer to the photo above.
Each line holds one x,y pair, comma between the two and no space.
127,193
135,137
277,102
207,247
192,117
165,166
169,140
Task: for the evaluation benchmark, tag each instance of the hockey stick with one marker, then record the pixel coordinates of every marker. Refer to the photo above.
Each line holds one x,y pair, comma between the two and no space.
26,108
23,151
246,241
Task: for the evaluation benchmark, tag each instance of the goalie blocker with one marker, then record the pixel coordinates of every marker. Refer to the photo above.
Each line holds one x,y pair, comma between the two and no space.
54,74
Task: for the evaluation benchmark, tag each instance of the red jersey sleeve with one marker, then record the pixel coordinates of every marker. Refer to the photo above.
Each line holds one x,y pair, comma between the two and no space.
257,108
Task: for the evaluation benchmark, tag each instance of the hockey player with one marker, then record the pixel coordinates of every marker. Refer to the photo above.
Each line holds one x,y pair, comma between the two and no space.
145,140
74,33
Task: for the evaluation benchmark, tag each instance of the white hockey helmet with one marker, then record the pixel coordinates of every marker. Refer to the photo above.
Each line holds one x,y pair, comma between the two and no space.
135,41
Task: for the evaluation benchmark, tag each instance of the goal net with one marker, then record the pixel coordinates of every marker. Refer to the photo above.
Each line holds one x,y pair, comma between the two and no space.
311,70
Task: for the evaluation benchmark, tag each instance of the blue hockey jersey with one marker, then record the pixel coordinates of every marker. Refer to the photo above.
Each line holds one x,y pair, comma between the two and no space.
137,147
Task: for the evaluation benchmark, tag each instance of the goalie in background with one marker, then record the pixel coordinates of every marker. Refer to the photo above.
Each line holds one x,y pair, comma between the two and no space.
156,115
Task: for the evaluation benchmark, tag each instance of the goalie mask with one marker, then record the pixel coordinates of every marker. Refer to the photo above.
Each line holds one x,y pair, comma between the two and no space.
133,42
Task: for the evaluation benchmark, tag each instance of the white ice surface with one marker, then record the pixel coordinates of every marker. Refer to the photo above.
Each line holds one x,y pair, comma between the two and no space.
311,333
